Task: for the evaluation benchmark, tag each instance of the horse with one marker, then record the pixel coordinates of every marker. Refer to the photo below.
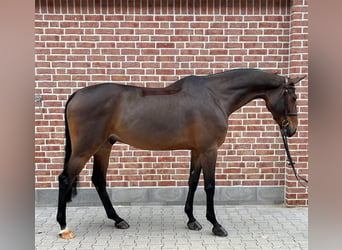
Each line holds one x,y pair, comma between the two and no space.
190,114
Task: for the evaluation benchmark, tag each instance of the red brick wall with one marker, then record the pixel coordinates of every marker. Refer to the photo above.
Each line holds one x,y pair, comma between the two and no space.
154,43
298,65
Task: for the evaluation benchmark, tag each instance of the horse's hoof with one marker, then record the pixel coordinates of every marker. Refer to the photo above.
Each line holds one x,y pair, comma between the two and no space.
122,225
194,225
220,231
66,234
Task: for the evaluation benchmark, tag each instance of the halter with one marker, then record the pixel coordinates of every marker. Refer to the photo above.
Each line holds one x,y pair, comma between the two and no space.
287,87
285,124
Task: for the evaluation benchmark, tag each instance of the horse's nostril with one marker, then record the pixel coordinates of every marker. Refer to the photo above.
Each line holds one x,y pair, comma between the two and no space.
285,123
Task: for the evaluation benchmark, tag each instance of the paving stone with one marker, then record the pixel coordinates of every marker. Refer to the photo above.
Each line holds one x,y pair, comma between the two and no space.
164,227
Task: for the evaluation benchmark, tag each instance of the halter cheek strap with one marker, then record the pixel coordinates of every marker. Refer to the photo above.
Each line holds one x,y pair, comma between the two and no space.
286,101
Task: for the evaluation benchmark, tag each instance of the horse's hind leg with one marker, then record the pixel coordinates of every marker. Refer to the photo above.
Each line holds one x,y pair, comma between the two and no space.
99,180
66,179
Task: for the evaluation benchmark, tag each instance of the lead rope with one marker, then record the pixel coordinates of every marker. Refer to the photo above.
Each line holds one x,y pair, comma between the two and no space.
289,158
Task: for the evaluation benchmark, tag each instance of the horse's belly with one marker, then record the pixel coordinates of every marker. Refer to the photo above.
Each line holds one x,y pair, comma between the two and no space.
155,141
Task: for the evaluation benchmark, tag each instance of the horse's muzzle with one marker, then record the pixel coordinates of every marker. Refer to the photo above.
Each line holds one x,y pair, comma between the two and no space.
290,132
289,127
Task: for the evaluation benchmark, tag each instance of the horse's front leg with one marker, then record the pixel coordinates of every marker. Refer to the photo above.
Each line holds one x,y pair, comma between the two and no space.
195,171
208,162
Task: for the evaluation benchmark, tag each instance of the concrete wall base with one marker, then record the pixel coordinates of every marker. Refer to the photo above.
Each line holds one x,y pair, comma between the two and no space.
250,195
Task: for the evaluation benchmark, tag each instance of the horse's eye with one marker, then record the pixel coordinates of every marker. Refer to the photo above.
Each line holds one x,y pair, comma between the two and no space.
293,96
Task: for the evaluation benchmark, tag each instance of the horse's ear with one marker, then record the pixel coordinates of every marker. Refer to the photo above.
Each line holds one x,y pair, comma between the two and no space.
296,80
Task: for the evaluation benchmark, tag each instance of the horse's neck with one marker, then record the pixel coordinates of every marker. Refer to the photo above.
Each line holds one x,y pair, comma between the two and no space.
235,94
239,97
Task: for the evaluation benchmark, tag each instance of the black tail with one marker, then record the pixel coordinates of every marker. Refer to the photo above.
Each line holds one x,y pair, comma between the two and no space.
73,191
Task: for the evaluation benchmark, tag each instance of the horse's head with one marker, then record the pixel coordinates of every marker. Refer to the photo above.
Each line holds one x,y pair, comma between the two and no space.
281,102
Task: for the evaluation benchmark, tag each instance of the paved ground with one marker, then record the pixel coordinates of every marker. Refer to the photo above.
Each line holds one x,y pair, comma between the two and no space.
164,227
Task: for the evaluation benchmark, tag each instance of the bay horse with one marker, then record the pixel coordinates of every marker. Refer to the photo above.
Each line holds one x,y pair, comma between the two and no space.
191,114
